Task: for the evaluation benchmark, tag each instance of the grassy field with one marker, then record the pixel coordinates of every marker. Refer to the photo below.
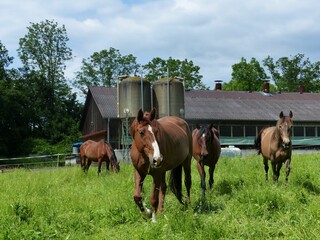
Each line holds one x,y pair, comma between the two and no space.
63,203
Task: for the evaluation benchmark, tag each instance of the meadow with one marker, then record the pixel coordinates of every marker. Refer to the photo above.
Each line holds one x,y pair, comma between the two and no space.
63,203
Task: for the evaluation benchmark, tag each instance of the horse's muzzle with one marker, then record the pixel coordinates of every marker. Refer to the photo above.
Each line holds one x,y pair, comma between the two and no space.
286,144
156,162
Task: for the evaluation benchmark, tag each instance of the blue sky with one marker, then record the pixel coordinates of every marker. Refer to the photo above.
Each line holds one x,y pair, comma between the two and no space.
214,34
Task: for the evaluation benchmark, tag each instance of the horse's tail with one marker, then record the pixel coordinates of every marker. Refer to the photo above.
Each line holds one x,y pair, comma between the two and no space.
114,159
175,182
257,142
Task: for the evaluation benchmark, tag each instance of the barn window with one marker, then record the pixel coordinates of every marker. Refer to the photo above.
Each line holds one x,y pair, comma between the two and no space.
298,131
237,131
310,131
225,131
250,131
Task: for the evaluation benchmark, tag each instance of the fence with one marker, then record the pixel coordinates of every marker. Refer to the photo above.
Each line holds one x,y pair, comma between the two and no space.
33,162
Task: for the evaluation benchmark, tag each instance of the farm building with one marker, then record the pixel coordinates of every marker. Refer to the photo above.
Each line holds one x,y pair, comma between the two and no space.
238,115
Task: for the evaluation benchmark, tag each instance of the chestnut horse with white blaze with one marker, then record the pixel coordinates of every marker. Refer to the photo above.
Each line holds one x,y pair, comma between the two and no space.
274,144
206,150
158,146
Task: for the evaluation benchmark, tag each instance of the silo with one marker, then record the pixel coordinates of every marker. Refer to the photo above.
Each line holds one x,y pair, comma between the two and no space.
133,93
168,97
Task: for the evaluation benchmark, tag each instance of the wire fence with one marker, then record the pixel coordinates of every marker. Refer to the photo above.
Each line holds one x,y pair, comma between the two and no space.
35,162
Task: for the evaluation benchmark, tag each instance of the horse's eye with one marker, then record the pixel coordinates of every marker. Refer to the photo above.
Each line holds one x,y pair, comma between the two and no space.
280,126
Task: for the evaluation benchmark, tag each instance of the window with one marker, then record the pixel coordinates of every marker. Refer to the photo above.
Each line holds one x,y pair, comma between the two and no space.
310,131
225,131
298,131
250,131
237,131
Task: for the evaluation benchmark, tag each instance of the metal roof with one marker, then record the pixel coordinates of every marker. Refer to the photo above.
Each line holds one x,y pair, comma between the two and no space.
228,105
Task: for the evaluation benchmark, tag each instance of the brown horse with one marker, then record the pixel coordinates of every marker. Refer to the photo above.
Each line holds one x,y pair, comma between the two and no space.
274,143
206,150
158,146
98,152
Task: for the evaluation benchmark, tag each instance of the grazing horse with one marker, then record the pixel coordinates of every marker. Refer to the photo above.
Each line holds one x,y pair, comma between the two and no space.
206,150
274,144
158,146
98,152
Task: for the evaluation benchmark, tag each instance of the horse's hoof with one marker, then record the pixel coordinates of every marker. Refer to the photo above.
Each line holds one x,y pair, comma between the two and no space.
147,213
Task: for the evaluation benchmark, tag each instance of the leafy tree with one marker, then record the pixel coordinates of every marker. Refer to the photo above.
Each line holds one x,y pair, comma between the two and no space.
289,73
102,68
43,52
246,76
160,68
5,61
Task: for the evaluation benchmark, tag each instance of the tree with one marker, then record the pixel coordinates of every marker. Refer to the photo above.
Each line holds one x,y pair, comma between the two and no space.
43,52
246,76
159,68
5,61
102,68
289,73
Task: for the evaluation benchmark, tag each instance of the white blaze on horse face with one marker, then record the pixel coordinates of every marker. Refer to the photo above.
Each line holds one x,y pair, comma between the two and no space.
285,135
157,157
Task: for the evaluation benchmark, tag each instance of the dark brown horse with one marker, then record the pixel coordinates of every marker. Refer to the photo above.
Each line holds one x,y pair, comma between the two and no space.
158,146
274,144
98,152
206,150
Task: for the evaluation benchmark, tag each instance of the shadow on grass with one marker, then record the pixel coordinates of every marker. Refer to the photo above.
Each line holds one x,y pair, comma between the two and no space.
205,206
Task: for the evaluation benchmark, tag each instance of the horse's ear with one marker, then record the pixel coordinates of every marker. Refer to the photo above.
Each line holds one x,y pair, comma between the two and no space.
140,115
290,114
281,115
152,114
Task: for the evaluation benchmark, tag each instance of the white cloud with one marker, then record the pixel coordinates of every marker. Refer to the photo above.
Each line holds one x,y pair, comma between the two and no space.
213,34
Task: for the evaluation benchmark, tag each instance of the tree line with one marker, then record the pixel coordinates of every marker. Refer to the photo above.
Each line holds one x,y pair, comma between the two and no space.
38,108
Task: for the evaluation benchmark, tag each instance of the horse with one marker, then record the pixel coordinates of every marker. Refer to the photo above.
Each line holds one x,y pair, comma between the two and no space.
160,145
98,152
206,151
274,144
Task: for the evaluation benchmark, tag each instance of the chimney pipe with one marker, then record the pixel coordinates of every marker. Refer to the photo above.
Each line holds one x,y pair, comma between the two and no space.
266,86
301,88
218,85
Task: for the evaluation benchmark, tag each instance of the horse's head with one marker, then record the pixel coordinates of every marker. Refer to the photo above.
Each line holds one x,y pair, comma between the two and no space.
284,127
144,130
205,139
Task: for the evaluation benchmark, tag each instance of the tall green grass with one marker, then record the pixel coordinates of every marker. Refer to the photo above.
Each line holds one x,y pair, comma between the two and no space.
63,203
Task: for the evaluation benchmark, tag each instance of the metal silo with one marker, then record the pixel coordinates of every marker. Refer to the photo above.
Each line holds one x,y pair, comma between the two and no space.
133,93
168,97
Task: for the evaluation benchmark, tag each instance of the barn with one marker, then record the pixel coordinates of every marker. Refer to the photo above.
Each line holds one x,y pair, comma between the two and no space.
238,115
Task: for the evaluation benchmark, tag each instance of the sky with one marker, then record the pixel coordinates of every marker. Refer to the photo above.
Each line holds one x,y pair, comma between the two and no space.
213,34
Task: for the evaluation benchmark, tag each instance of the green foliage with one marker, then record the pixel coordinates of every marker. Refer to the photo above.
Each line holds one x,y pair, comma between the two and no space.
289,73
102,68
67,204
246,76
160,68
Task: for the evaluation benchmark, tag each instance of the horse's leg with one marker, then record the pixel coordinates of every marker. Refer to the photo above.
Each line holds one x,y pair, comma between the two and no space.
99,166
138,181
279,165
274,170
187,179
211,171
154,199
202,177
266,167
162,192
287,169
88,163
108,165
